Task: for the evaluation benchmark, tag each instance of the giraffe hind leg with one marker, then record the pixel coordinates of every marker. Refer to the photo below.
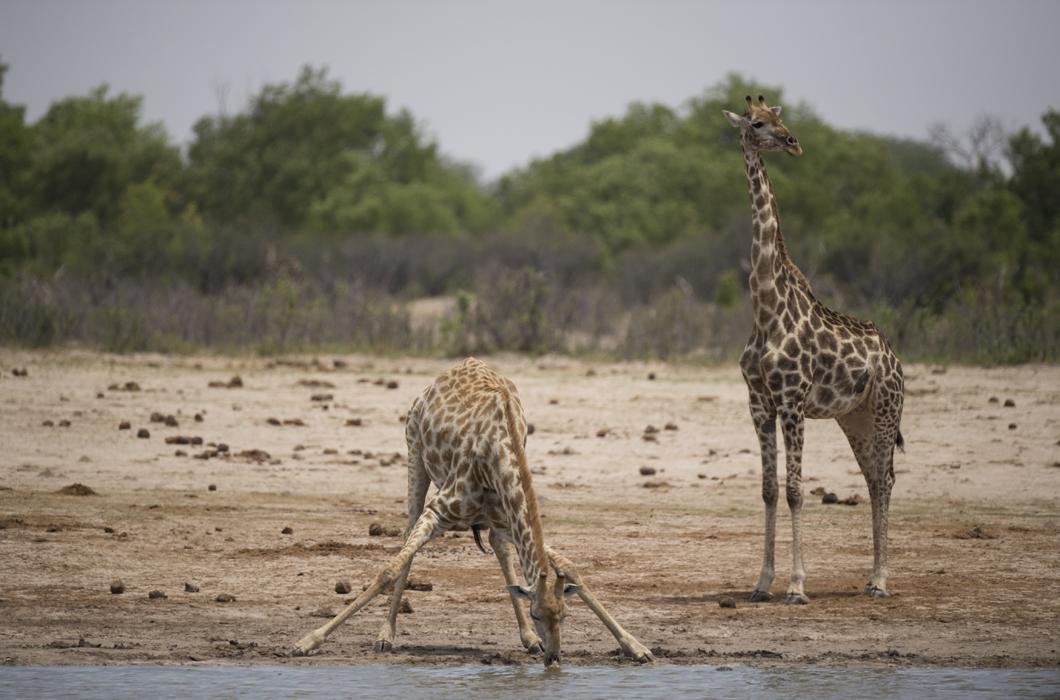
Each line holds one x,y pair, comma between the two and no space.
531,641
873,446
882,466
419,483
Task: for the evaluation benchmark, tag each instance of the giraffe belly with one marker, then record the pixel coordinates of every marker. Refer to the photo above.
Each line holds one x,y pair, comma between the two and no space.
833,408
839,398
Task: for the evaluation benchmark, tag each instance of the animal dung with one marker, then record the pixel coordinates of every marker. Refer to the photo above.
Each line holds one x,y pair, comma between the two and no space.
76,489
183,440
143,433
117,587
124,425
726,601
647,471
225,598
829,499
342,587
1009,403
406,607
190,588
234,383
157,595
375,530
287,531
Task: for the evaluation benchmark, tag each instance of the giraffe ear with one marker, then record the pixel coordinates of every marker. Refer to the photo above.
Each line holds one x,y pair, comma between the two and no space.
735,119
520,592
775,110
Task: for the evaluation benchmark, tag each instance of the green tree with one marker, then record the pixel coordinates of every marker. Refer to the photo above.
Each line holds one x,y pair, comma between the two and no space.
306,154
88,150
15,151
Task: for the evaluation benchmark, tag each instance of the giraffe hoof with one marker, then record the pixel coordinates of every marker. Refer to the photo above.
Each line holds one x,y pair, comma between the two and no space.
876,592
761,596
383,645
796,599
307,644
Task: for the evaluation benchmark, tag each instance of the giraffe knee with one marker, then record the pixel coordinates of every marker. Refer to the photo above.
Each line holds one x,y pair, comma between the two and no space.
769,494
794,494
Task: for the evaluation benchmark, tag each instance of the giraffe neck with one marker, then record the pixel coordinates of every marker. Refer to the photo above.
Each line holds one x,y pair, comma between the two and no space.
769,256
520,502
772,271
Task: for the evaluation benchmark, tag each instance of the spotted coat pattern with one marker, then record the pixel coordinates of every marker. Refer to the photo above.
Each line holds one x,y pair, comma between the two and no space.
466,435
804,360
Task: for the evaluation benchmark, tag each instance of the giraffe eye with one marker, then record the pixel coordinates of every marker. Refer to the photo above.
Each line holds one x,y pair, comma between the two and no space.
758,125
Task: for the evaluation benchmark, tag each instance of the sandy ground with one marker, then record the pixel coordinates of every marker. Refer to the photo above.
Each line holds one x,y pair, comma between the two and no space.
658,550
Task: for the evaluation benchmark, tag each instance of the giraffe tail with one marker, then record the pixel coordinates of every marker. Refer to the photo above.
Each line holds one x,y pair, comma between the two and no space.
899,442
476,530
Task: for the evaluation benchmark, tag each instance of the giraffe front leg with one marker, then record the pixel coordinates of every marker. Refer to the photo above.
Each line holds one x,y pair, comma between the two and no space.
531,641
766,427
427,526
632,648
792,421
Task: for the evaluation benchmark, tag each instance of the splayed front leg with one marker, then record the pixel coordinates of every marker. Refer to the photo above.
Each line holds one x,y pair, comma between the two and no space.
427,526
629,644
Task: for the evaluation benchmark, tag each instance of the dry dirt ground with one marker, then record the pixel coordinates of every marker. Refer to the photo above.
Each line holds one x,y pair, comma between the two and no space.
974,522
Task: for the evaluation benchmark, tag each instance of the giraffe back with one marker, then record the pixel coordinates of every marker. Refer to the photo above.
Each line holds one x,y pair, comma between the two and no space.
468,430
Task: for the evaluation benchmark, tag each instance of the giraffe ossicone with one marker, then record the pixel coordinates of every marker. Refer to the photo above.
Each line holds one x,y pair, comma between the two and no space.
466,434
804,360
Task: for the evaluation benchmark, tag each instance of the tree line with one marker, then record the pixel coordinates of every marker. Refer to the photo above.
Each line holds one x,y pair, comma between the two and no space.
326,191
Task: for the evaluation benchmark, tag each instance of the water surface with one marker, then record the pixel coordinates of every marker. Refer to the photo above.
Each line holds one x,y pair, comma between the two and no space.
474,683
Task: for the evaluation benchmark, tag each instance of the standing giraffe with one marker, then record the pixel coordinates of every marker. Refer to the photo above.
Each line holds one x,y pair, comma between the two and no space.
806,361
466,434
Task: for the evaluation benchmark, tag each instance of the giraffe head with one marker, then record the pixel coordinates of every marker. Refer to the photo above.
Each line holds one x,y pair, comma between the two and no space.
760,125
547,610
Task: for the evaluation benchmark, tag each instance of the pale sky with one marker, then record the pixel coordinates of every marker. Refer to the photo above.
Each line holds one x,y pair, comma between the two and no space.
498,82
